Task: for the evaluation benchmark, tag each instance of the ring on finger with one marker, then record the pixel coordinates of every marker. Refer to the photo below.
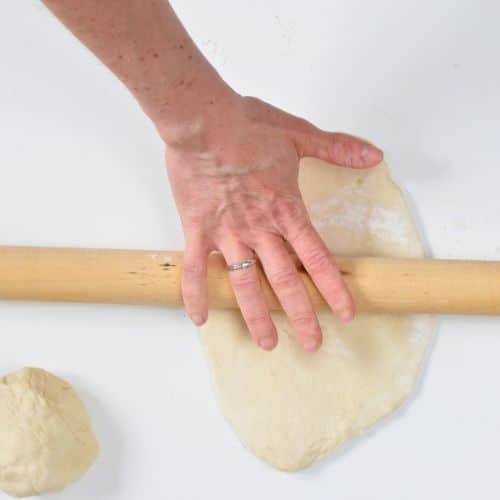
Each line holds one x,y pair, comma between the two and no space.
244,264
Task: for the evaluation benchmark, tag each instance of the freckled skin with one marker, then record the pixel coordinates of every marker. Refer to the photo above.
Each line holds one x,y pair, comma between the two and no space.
232,162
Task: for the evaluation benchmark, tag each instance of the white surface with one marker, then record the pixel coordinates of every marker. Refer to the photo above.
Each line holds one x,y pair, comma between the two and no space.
81,166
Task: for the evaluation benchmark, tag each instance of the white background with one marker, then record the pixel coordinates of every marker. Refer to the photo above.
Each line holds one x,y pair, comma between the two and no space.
81,166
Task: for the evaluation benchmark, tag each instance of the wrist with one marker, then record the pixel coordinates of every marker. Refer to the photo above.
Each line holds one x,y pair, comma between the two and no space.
198,118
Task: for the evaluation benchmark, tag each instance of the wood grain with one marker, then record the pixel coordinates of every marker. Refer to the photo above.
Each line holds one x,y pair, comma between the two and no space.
154,277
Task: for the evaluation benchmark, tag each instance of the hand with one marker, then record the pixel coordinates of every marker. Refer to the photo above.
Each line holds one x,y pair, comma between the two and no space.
235,181
233,164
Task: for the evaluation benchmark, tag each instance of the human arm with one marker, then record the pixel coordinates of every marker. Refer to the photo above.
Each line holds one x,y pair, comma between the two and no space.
232,161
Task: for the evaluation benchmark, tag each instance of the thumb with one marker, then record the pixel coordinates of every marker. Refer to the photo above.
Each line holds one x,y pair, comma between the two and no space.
342,149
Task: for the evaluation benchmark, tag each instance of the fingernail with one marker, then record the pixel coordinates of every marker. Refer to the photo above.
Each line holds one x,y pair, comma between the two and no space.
197,319
267,343
346,316
371,154
311,345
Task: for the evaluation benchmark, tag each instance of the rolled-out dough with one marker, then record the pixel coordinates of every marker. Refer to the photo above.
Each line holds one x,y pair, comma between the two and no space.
290,407
46,439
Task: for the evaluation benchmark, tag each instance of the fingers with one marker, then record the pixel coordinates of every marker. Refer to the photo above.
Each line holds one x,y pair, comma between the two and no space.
290,290
342,149
194,279
248,291
320,265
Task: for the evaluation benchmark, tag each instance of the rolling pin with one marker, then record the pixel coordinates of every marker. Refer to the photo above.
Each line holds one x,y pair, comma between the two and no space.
383,285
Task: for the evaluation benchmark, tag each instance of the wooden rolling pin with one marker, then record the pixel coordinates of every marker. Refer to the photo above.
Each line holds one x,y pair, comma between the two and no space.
153,277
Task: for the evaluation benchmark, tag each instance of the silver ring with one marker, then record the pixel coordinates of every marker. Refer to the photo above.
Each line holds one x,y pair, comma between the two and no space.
244,264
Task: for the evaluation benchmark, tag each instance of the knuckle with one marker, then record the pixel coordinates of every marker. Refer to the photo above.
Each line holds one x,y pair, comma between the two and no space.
341,150
348,155
284,208
191,301
298,229
339,291
286,211
244,279
192,270
285,279
342,298
317,260
304,322
257,322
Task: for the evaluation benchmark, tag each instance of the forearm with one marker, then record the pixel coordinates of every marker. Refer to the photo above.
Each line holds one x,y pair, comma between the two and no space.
148,49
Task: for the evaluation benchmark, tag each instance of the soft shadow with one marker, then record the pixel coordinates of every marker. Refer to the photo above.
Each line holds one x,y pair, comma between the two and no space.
320,466
103,479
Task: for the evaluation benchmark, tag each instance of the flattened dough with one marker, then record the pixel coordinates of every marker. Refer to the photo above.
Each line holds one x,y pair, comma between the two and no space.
290,407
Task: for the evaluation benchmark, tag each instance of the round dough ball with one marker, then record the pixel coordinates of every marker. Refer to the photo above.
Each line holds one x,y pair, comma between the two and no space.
46,439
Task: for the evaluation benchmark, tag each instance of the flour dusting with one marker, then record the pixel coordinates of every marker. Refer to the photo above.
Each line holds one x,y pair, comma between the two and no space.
388,224
379,222
420,331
